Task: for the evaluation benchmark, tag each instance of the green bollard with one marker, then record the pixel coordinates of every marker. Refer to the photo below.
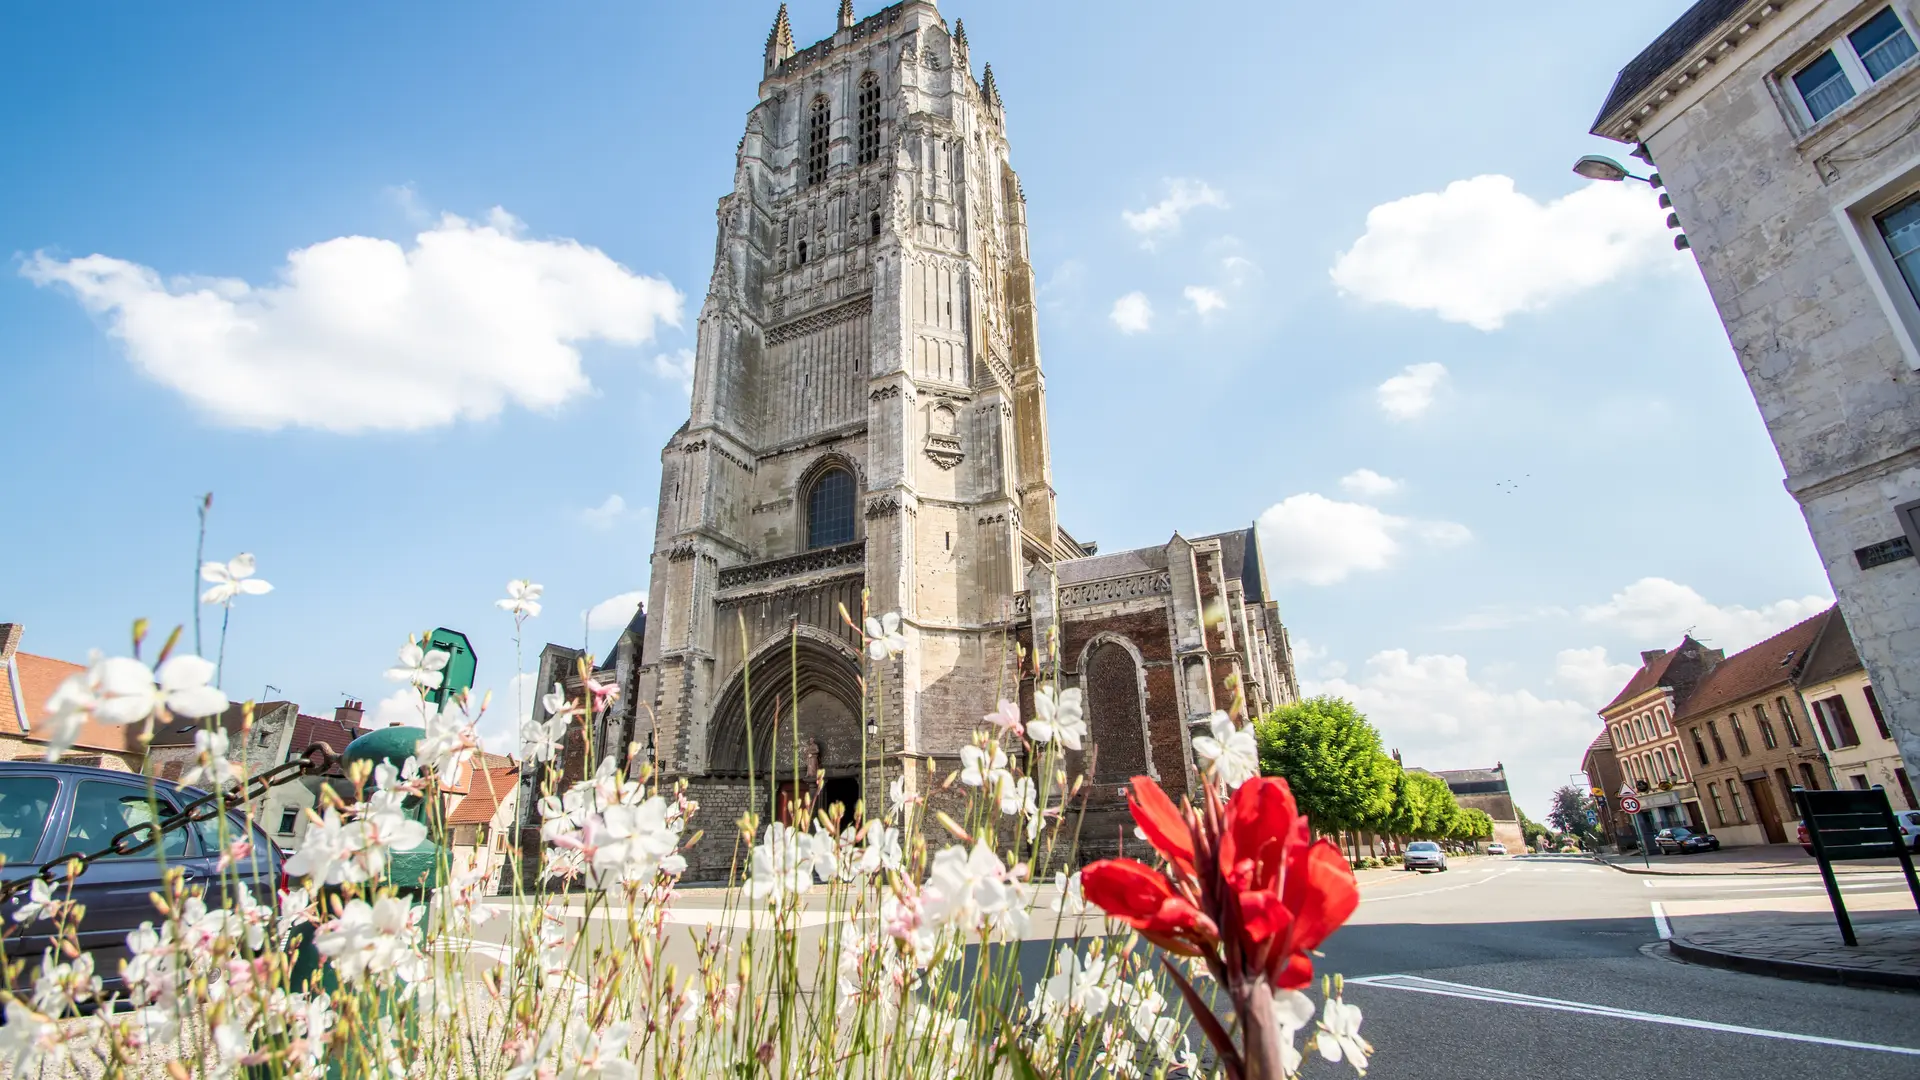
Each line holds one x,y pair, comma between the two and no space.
412,872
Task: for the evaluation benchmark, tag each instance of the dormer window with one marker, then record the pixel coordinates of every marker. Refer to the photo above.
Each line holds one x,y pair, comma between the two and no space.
1864,56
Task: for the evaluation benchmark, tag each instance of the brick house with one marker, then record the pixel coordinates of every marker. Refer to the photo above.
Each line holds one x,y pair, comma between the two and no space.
1751,742
1836,693
1602,767
1648,748
26,682
481,823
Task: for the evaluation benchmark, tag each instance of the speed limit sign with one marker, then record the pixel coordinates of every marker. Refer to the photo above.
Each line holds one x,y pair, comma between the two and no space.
1629,804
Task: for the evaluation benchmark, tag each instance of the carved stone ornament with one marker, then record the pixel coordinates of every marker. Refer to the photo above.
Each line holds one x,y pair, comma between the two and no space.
881,506
944,450
1113,590
844,556
681,551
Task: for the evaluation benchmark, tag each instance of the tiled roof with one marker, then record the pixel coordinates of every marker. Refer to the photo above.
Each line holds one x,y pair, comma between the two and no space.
1470,776
461,779
479,807
1833,654
1774,662
330,733
1602,742
1645,679
39,677
1690,29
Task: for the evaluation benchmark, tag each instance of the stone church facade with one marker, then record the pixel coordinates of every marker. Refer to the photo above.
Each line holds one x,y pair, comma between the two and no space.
869,413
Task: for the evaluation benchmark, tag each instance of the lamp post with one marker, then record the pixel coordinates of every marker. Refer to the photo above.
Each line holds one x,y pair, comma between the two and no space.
1596,167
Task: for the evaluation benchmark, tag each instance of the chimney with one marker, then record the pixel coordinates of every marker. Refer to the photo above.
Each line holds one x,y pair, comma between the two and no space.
10,634
349,714
1651,655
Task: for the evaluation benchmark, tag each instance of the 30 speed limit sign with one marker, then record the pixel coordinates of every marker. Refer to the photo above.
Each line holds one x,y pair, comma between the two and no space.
1629,804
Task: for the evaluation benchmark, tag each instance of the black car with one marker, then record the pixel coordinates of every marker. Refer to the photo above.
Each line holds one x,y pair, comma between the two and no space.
48,811
1680,841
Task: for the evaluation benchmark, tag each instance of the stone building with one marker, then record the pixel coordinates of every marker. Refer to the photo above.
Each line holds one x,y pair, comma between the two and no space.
1647,746
1751,745
1486,790
1847,719
1787,134
868,414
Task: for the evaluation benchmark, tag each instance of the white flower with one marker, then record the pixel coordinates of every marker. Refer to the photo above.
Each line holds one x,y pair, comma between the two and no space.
1015,796
880,851
640,841
450,740
40,903
1340,1035
980,766
523,598
27,1038
60,986
1232,756
328,851
884,639
377,939
1070,902
974,891
1076,986
122,690
71,703
1057,718
211,768
420,667
897,796
1006,717
782,864
231,579
592,1055
825,854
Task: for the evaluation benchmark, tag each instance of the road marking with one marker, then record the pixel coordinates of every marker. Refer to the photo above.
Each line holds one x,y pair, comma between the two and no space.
1429,892
1419,985
1849,888
1660,924
1738,881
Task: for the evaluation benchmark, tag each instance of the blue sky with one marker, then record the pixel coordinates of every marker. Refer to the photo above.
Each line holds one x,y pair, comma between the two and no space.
1352,230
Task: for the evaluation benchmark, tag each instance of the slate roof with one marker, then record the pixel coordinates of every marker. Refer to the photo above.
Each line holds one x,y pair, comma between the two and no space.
479,806
1832,655
180,731
1776,661
1694,26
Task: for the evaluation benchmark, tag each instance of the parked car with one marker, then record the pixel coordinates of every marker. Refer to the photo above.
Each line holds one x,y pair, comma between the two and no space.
1683,841
1425,855
1496,849
48,811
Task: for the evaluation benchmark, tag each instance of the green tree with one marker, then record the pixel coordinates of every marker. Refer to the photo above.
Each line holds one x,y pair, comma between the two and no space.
1437,812
1332,758
1569,814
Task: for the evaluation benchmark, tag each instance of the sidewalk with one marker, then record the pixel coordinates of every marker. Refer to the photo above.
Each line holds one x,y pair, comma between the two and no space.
1767,859
1809,948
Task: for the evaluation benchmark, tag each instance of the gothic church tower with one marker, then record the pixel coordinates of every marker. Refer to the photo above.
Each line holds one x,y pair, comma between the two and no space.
868,411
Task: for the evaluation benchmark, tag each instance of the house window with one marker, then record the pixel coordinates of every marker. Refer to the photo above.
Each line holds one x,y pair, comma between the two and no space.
873,225
830,509
1673,759
1739,734
1733,793
819,130
1860,782
1808,779
1865,56
1786,721
1766,727
801,250
1873,706
1660,715
1900,228
1906,788
1835,723
1699,748
288,817
1713,732
1719,811
869,118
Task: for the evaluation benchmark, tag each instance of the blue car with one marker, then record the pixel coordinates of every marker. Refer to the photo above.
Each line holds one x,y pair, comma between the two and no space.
50,811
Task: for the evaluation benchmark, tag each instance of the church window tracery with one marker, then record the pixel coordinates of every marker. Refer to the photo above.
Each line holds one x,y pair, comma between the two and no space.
819,128
869,118
830,509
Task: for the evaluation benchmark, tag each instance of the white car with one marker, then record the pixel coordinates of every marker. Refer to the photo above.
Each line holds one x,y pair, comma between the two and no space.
1496,849
1425,855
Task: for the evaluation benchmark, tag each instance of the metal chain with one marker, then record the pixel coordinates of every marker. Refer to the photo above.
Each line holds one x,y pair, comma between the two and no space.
315,759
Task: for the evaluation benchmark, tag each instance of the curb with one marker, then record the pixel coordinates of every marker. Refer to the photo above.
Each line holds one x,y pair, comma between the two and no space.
1792,969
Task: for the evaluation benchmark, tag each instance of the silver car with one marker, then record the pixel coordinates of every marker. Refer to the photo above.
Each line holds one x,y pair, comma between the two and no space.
1425,855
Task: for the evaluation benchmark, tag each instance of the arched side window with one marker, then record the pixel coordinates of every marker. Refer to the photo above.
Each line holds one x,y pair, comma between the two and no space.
830,509
819,130
869,118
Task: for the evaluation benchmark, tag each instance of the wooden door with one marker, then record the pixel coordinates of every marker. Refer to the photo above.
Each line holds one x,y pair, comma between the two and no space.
1762,794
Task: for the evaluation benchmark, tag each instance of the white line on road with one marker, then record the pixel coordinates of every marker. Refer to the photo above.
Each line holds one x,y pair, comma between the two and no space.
1849,888
1420,985
1660,924
1429,892
1739,881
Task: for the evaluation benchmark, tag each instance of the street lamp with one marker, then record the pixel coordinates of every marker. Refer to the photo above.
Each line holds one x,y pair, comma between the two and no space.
1595,167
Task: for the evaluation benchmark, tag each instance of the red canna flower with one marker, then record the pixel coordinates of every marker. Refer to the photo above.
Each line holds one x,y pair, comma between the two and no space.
1246,890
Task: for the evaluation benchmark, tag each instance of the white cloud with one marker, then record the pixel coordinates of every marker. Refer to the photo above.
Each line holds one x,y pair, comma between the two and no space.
499,729
1590,675
1239,268
1321,541
1480,251
362,334
1368,484
1164,216
676,367
606,514
402,707
1132,313
1410,394
1658,611
1204,300
1440,715
615,612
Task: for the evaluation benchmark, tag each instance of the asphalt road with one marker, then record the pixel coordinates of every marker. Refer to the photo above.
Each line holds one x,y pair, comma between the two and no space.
1540,967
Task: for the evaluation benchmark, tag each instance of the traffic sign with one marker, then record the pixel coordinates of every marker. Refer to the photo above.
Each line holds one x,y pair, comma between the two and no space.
1599,792
1593,818
1629,804
1628,790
